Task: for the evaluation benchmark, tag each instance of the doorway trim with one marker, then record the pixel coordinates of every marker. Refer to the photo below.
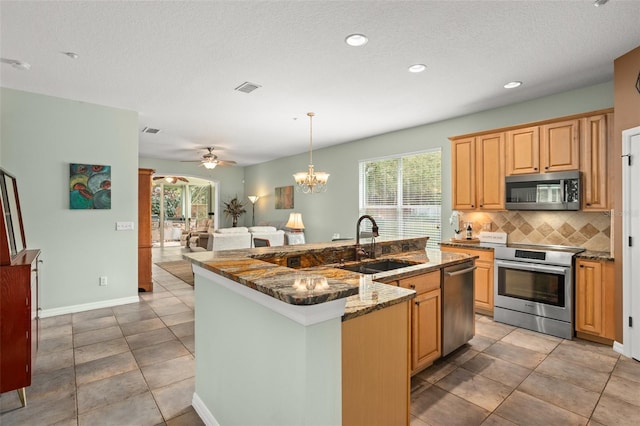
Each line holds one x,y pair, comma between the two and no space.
626,348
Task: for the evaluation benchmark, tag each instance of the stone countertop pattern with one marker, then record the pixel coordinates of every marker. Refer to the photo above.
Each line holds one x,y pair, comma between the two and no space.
277,281
462,244
588,254
596,255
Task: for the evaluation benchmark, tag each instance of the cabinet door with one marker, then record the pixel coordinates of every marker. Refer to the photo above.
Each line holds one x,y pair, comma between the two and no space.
589,296
463,174
483,286
490,171
560,147
523,151
425,330
593,152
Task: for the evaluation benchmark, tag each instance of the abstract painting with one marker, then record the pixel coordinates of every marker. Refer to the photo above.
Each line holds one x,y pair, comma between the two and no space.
284,197
89,186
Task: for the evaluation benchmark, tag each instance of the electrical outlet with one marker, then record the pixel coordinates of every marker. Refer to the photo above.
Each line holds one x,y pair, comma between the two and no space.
386,249
103,280
405,247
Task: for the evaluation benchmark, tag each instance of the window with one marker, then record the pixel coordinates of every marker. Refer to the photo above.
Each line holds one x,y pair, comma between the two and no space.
404,195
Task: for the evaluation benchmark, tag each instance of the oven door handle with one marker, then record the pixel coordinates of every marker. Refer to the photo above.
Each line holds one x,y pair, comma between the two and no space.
530,267
461,271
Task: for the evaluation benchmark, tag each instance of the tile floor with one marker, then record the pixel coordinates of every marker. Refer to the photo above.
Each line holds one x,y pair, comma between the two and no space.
134,365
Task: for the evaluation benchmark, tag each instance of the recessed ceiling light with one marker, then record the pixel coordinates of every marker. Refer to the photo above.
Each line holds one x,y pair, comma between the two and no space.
417,68
356,40
19,65
512,84
599,3
72,55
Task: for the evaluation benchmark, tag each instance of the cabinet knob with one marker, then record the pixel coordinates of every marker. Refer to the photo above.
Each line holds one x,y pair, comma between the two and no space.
535,168
417,303
588,204
582,266
472,205
546,168
412,286
481,205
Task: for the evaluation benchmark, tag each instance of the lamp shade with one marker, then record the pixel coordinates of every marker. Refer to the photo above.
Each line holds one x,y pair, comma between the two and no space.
253,198
295,221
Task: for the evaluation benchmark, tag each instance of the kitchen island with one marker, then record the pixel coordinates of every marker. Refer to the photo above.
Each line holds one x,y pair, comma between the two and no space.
271,339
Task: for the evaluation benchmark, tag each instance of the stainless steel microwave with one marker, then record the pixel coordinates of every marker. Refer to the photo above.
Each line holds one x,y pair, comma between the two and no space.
543,191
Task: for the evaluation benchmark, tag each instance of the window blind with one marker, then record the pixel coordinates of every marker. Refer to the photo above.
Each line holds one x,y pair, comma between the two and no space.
403,194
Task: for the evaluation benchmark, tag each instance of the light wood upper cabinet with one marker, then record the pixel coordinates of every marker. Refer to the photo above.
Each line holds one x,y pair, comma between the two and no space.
595,134
490,171
595,313
523,151
559,147
463,154
478,172
551,147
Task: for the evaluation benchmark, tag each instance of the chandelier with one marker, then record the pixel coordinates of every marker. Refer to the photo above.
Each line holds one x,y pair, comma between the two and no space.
309,182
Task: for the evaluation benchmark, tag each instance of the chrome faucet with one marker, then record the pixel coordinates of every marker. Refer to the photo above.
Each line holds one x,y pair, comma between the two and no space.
360,253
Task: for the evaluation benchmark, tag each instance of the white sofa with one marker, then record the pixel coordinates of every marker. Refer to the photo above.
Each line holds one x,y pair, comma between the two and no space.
239,237
275,236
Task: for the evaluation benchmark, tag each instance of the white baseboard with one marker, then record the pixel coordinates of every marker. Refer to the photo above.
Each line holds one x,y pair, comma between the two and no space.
619,347
205,415
45,313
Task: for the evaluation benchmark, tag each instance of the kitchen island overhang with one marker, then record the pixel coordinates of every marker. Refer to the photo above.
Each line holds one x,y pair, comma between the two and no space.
261,359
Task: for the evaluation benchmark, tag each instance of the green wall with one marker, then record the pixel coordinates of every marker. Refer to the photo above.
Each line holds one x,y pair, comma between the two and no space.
41,136
336,210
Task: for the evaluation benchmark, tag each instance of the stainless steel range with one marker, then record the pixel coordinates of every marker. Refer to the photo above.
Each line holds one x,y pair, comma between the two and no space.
533,287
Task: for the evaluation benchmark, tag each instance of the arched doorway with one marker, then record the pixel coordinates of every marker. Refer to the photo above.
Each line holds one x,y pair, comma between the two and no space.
180,204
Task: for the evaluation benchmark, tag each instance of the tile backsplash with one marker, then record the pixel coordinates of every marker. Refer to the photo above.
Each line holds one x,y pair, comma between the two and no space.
583,229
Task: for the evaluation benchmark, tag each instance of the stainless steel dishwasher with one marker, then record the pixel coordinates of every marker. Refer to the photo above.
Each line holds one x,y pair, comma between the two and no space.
458,321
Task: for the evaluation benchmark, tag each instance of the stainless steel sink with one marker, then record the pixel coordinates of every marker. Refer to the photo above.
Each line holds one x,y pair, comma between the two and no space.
377,266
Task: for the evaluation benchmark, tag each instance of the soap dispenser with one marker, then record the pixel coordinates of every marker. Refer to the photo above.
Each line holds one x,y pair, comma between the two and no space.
469,231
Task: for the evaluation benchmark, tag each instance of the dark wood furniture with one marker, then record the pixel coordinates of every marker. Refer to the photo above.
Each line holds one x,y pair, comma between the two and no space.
145,283
261,242
18,294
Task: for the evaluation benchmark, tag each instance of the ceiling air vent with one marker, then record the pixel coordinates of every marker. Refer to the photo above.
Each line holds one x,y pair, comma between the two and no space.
247,87
150,130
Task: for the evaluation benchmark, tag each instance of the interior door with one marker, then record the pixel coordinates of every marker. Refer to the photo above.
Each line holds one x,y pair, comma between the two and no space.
631,229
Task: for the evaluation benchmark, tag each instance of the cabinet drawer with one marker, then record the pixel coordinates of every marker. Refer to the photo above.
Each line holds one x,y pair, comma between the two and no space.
422,283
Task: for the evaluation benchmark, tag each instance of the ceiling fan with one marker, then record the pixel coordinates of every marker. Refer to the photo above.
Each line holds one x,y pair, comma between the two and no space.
171,179
210,160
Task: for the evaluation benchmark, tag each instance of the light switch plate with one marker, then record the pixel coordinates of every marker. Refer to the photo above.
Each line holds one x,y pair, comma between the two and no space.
124,226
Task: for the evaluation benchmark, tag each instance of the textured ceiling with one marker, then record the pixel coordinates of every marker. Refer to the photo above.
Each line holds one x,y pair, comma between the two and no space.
177,64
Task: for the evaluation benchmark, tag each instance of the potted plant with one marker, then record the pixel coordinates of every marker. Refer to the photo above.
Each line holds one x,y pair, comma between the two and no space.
235,209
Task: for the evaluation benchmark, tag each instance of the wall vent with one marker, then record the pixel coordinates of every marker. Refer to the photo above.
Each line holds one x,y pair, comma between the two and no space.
247,87
150,130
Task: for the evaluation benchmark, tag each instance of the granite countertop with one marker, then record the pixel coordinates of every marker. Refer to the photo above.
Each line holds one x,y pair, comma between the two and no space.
587,254
596,255
364,293
462,244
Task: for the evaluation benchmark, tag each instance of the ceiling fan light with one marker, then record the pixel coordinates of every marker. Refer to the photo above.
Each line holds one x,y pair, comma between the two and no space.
210,165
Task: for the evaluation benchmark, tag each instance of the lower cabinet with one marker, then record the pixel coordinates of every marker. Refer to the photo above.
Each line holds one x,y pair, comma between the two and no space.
595,315
375,350
426,338
483,277
426,319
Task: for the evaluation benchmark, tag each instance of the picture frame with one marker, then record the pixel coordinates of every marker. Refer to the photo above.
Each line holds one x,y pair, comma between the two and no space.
284,197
